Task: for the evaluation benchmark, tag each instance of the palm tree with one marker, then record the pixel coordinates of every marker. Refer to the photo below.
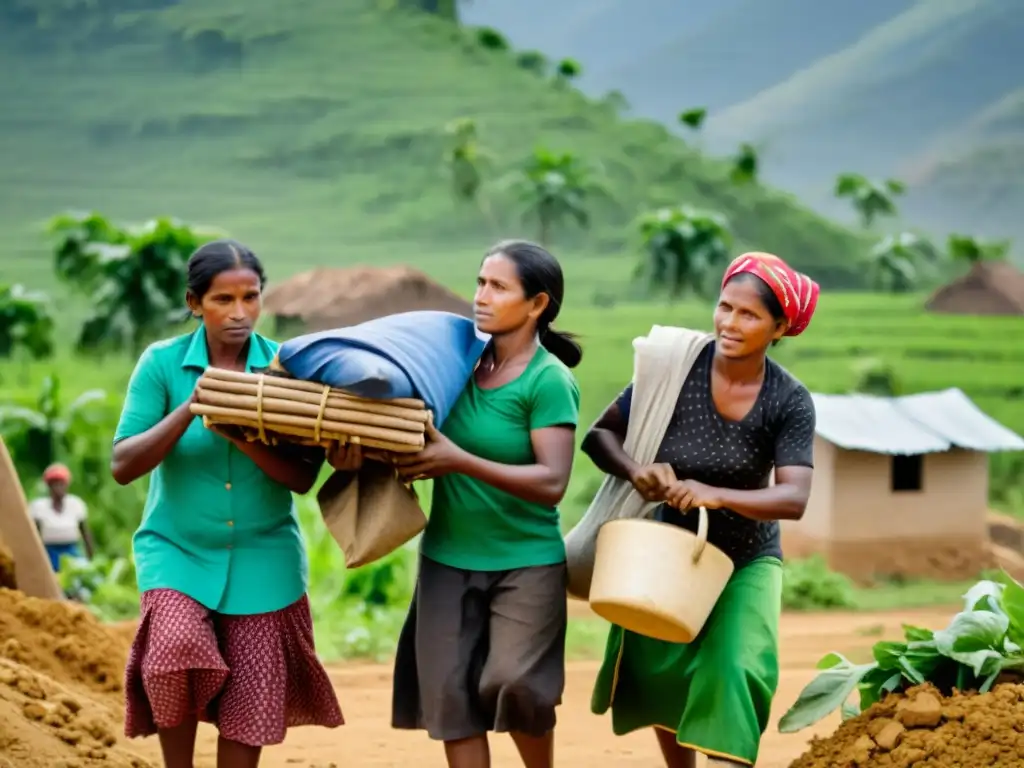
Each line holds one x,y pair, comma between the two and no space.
973,251
693,118
683,247
567,70
869,198
555,187
744,165
25,322
134,275
897,261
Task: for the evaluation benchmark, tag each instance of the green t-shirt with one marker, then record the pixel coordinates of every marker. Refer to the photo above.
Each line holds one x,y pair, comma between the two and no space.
474,525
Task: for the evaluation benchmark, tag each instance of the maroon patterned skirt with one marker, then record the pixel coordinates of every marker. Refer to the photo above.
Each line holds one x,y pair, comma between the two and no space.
252,676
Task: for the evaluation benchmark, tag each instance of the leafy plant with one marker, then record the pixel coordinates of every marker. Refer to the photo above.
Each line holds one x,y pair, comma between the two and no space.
744,165
809,584
49,429
973,250
683,247
897,261
693,118
134,275
25,322
869,198
567,70
875,376
555,187
105,585
979,644
491,39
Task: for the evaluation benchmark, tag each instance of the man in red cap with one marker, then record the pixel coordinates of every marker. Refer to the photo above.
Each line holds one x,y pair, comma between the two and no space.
61,517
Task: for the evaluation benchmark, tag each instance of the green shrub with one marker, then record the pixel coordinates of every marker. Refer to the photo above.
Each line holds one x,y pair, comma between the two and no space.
810,584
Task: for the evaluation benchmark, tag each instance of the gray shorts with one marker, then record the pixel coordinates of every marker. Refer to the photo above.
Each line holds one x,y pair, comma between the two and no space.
482,651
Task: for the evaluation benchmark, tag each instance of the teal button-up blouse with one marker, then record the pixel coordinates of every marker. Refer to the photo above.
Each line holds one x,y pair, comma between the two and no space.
215,527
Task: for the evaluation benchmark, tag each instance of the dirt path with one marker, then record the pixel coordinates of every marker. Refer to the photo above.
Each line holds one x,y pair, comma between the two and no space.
583,739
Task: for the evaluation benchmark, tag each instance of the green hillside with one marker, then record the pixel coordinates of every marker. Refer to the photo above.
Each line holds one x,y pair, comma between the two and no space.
317,135
883,87
931,73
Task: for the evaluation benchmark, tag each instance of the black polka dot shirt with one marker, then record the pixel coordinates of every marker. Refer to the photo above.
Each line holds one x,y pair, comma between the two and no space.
701,445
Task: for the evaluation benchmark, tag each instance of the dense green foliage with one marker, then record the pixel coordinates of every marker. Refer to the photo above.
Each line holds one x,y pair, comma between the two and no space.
980,643
318,137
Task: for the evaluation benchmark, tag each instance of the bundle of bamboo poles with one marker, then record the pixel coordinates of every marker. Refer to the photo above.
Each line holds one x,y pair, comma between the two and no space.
273,408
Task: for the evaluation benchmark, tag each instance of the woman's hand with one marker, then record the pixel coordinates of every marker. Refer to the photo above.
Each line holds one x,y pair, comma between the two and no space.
439,457
653,481
687,494
345,457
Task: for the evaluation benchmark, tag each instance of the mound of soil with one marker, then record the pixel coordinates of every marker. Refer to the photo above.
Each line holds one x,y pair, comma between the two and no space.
60,686
922,729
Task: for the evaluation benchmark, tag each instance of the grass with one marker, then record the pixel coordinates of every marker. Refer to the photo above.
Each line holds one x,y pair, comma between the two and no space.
317,137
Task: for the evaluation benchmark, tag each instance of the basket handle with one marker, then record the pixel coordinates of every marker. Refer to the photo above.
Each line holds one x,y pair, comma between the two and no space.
702,534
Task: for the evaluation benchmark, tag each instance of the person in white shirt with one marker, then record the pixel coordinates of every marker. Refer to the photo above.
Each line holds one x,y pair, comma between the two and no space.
61,518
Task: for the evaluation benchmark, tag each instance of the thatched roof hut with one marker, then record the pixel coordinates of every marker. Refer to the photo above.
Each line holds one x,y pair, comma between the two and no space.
327,298
989,288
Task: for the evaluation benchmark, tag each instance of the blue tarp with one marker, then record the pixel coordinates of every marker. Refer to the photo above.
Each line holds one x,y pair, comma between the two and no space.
428,355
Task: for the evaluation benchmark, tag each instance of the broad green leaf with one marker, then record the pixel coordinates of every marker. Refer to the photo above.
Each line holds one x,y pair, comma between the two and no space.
984,596
1012,602
824,694
917,634
888,653
974,639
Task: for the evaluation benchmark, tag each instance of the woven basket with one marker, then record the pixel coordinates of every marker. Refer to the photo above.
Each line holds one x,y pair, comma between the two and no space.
656,579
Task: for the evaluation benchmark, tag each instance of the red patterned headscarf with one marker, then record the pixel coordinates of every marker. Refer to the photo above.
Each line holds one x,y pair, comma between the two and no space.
796,292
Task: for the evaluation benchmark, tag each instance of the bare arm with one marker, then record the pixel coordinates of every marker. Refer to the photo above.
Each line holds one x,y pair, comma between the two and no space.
86,533
140,454
293,470
603,444
786,500
543,482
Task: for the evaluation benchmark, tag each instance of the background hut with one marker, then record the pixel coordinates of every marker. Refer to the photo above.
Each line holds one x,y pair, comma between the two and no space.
900,486
989,288
325,298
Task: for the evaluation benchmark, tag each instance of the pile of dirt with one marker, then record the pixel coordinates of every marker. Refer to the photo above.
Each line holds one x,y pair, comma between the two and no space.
921,728
60,686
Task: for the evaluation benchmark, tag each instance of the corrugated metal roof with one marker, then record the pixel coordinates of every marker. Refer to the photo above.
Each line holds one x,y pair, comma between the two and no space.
924,423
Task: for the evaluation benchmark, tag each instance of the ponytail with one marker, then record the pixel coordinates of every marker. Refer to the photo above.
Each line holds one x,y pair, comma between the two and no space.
563,346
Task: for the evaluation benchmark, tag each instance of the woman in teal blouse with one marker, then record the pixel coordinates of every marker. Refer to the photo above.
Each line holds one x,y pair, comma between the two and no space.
225,633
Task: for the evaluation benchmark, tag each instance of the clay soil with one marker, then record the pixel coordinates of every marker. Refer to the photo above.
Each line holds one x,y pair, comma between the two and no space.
60,700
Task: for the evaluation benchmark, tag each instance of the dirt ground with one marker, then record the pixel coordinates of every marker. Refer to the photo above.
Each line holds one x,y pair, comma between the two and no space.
582,738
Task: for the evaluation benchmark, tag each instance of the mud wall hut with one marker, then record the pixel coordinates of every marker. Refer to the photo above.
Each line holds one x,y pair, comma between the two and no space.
327,298
989,288
900,486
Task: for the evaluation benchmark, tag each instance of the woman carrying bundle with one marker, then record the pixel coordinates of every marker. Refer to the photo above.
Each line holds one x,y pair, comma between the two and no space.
483,647
225,633
739,416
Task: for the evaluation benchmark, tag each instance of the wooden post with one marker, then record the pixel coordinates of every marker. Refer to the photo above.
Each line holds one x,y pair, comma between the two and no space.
32,568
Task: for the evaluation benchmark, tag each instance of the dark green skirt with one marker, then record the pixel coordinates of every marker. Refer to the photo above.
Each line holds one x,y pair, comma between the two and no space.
715,693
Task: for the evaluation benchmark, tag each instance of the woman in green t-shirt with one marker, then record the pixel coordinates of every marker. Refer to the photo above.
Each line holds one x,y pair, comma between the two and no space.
483,648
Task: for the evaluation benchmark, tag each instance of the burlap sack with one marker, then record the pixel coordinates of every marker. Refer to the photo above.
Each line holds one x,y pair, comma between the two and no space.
661,362
370,513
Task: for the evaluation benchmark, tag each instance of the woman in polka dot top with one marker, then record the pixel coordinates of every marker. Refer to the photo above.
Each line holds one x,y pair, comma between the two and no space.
738,417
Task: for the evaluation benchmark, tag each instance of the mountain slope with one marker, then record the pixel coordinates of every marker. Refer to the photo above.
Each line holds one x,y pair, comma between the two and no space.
903,86
318,136
742,49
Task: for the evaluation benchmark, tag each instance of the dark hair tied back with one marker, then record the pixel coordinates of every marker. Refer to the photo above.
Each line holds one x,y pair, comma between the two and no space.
218,256
539,272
